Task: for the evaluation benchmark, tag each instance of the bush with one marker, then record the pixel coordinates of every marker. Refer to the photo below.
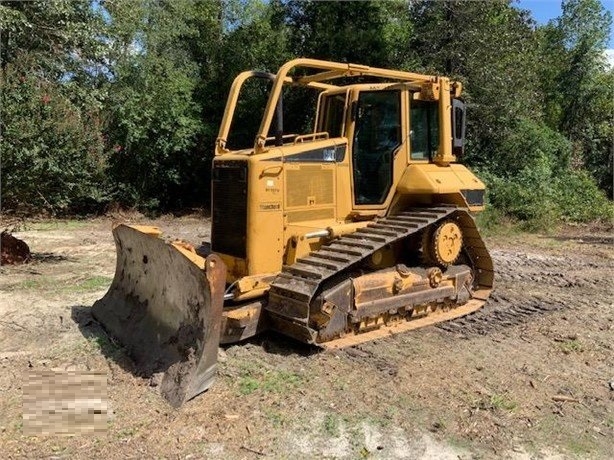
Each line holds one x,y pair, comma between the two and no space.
526,196
52,150
539,199
529,180
153,132
529,145
579,199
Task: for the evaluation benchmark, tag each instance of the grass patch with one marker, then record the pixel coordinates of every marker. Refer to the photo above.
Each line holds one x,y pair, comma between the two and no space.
57,225
248,384
571,346
126,432
84,347
331,425
40,283
580,447
45,283
276,418
29,284
103,344
280,381
390,413
93,283
493,223
503,402
496,401
273,381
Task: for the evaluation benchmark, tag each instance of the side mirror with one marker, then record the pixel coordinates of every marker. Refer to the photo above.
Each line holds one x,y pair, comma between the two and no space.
459,124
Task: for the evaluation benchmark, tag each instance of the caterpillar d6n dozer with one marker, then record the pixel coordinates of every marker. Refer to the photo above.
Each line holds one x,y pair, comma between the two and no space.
355,230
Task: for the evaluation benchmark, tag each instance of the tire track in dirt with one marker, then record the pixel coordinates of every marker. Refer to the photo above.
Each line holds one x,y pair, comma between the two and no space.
529,286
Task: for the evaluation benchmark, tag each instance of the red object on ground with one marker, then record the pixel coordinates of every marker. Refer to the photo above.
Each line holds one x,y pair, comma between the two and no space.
13,251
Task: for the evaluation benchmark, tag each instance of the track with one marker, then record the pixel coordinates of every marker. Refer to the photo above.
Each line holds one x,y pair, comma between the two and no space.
351,340
530,286
294,290
501,312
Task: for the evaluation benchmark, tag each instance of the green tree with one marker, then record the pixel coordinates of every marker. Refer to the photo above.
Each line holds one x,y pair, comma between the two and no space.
156,122
52,148
578,87
490,47
262,27
369,32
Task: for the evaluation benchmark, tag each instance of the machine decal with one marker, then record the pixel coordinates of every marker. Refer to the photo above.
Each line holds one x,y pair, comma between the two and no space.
270,206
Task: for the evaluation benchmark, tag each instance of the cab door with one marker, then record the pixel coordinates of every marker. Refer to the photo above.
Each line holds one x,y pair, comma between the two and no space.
377,138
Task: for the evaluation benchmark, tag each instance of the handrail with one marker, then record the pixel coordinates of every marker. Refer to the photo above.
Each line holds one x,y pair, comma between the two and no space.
312,136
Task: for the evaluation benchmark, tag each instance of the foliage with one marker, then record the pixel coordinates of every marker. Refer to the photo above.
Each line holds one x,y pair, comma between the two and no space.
580,200
120,100
489,47
541,198
578,87
369,32
527,197
60,33
53,155
531,145
154,118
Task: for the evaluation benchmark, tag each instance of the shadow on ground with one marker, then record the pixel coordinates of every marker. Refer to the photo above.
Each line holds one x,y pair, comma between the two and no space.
49,258
278,344
270,342
92,330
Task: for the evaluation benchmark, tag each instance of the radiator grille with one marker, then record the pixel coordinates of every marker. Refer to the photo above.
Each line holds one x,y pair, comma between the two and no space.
309,185
229,213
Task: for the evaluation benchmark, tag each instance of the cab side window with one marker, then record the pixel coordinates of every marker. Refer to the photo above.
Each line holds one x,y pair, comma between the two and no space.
424,130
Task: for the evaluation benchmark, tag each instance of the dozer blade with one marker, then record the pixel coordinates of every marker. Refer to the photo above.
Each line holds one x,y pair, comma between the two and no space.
165,310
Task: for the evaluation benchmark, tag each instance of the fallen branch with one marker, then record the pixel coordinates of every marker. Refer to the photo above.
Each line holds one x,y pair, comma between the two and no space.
254,451
563,398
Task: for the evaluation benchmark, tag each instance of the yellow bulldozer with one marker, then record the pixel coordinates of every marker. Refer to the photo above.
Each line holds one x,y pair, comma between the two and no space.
359,228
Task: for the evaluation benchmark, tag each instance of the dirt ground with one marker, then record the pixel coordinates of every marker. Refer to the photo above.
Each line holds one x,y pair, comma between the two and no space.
529,376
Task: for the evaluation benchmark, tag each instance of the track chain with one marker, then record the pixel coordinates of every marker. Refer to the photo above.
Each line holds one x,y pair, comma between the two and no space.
298,284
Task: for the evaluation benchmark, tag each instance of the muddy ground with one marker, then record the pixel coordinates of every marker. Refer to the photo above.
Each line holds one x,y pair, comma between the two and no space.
526,377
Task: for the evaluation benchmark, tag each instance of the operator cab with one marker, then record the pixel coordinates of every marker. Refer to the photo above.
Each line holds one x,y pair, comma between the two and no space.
374,121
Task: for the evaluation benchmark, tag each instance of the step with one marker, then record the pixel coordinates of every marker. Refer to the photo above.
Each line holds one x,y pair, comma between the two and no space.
320,263
363,237
329,256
